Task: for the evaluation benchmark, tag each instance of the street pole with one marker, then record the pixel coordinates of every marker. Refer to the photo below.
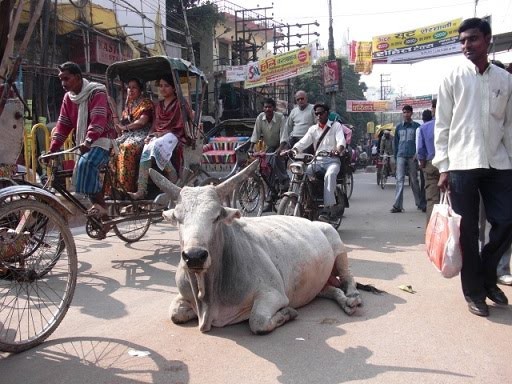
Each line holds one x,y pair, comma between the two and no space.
188,37
332,56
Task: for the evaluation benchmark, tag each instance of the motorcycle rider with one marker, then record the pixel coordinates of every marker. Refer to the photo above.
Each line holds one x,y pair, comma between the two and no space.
325,136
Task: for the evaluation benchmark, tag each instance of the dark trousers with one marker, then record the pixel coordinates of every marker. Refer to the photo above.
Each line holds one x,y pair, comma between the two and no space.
495,186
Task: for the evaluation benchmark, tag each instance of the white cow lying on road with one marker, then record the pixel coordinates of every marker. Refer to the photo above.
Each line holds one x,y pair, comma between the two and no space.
233,269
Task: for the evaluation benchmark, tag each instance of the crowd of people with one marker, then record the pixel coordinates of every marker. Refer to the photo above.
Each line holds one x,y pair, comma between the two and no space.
463,147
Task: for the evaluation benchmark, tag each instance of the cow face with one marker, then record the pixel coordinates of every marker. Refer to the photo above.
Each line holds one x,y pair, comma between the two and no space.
198,215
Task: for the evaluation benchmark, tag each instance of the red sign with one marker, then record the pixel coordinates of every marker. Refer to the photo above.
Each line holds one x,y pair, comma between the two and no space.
103,50
109,51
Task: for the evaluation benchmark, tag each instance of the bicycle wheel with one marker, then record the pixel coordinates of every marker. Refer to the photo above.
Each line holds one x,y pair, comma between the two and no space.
379,174
349,184
134,228
383,179
38,271
288,207
249,197
340,207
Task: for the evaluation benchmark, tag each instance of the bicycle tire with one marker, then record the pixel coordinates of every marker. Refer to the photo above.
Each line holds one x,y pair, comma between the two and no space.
379,175
288,207
199,179
131,231
36,290
340,204
349,184
249,197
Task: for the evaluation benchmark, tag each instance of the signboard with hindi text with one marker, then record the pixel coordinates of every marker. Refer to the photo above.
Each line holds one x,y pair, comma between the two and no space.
417,44
368,106
278,68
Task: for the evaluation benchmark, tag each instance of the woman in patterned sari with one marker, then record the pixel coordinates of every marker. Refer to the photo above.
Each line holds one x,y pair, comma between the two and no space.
164,136
134,126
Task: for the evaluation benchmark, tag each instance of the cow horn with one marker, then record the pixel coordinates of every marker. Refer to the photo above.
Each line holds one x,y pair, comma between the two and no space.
225,188
165,185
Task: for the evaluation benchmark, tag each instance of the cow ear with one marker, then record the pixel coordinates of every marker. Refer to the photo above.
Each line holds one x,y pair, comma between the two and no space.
169,216
230,214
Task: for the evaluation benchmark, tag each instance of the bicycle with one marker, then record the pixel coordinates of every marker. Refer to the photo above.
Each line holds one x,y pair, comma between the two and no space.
38,266
129,219
385,170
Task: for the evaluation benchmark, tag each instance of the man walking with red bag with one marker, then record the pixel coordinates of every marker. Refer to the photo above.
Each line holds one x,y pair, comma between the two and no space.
473,152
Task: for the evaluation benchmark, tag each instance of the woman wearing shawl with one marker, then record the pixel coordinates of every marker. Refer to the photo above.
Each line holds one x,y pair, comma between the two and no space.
165,134
85,107
134,126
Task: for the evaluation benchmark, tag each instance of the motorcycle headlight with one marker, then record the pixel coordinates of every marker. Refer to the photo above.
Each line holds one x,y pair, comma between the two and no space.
297,168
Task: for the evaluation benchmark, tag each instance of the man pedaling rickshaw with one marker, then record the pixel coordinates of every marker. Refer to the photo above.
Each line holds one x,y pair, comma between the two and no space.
85,106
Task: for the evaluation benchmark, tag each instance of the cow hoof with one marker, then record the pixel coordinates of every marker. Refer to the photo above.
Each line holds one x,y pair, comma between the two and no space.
354,301
182,314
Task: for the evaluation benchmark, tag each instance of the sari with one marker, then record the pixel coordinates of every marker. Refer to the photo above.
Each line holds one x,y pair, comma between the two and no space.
131,143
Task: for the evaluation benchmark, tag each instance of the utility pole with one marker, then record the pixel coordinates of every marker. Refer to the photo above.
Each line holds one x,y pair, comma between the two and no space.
332,56
188,37
385,89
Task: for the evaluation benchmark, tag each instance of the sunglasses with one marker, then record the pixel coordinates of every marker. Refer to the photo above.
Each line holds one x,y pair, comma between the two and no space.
319,113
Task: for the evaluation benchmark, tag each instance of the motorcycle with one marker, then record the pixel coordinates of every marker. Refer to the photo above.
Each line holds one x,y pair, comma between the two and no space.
304,197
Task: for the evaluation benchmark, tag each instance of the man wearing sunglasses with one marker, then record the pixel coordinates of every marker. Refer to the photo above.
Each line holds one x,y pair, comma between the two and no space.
333,142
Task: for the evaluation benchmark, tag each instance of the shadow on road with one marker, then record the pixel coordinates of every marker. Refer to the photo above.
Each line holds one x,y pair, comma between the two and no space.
92,360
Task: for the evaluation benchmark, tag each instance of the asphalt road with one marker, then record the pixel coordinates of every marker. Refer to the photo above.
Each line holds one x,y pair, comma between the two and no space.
118,329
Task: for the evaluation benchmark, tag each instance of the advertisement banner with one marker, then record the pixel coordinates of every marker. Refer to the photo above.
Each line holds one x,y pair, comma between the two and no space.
332,70
368,106
363,57
279,67
416,102
235,73
418,44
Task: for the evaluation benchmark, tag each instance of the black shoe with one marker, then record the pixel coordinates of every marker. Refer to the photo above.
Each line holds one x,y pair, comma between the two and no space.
497,295
478,307
267,207
396,210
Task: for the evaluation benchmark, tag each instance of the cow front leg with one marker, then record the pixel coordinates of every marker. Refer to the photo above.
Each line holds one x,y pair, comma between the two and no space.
270,312
181,311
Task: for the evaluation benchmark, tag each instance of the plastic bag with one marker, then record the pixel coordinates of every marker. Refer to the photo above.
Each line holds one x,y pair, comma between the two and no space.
442,238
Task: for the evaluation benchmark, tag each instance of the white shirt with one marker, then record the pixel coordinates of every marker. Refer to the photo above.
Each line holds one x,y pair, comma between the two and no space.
473,126
331,141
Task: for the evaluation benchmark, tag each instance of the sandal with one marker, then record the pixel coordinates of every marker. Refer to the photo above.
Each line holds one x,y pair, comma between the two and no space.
97,210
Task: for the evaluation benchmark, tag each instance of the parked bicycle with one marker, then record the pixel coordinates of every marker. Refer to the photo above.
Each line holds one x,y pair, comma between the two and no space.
305,195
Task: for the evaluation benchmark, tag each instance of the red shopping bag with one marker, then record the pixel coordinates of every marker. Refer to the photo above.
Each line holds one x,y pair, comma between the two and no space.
442,238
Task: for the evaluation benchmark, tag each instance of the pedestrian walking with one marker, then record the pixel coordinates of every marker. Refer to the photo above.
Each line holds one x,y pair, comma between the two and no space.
473,145
425,151
405,157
